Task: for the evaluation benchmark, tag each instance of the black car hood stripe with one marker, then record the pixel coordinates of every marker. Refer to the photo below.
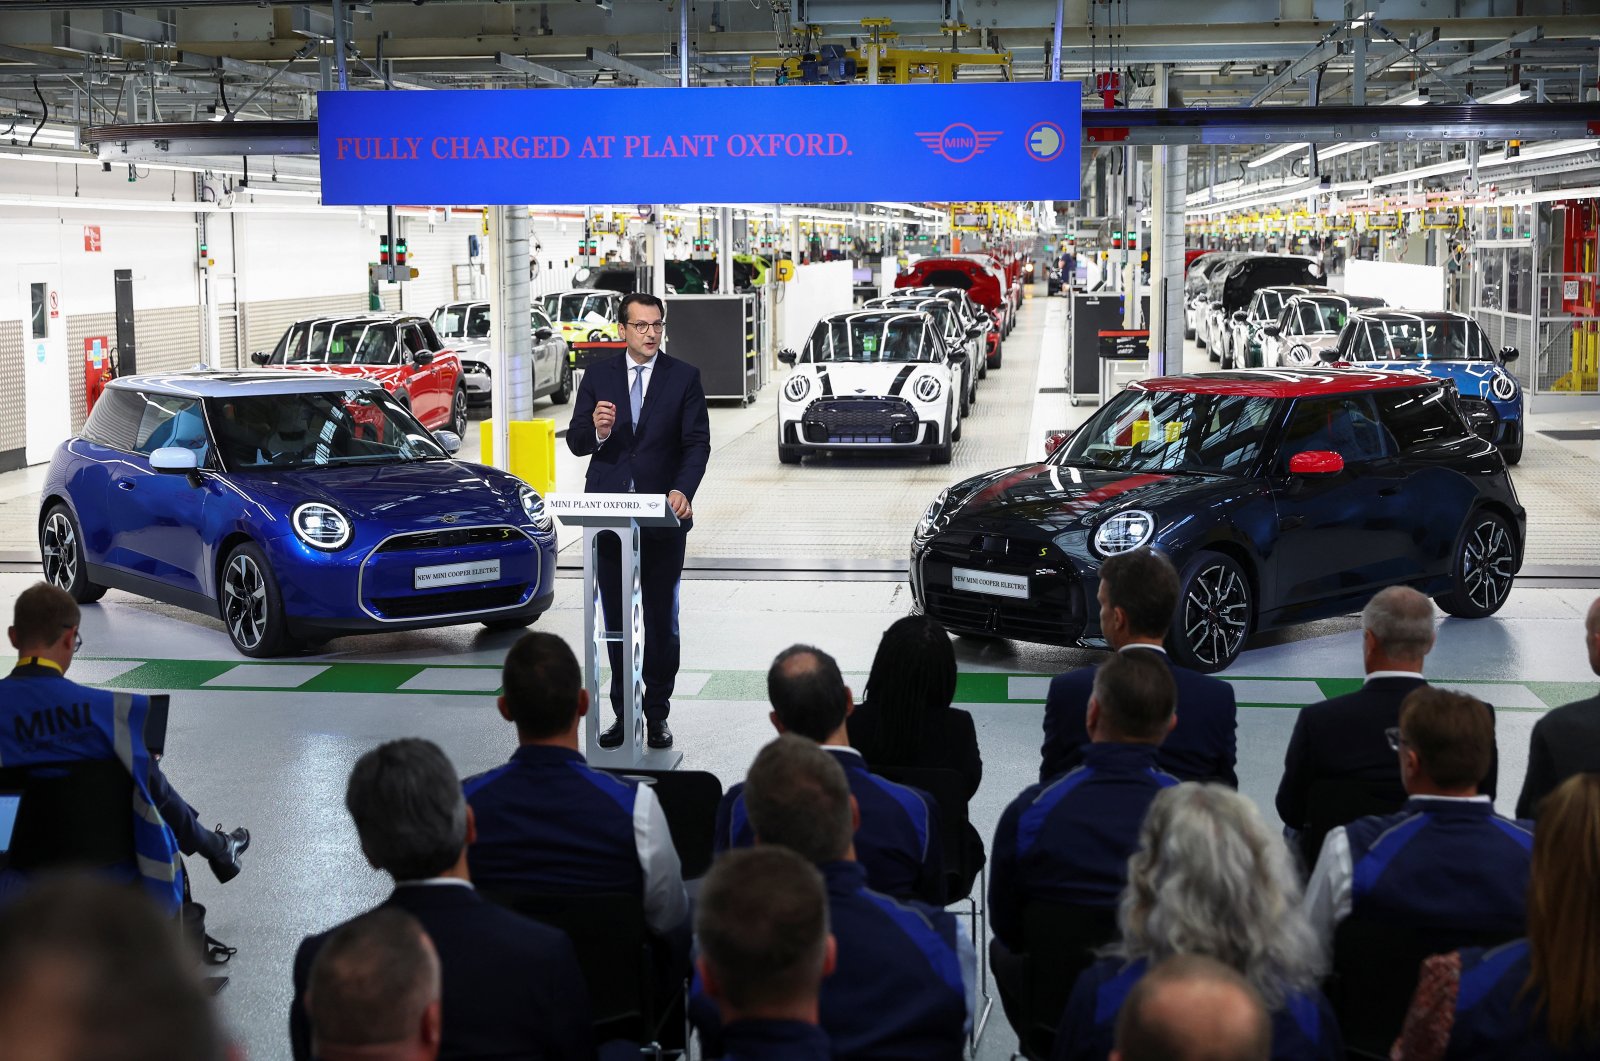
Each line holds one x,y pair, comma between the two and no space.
900,381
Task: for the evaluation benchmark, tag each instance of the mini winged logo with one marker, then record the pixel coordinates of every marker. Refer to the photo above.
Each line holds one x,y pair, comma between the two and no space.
449,517
959,142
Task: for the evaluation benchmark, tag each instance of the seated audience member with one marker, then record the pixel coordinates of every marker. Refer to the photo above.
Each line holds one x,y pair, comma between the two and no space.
761,923
91,970
46,717
548,823
902,985
906,719
1210,878
1567,740
898,843
1537,998
375,990
512,986
1343,738
1138,595
1446,863
1192,1008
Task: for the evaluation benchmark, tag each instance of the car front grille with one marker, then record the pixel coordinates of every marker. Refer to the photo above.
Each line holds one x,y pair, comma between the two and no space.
452,602
452,538
860,420
1052,614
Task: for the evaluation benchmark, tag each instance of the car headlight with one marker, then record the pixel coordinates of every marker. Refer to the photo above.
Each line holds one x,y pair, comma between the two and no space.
927,388
932,520
1300,352
797,387
322,526
1503,387
533,508
1124,531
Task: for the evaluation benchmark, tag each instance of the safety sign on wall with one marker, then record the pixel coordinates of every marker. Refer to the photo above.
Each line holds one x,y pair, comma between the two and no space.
91,239
821,143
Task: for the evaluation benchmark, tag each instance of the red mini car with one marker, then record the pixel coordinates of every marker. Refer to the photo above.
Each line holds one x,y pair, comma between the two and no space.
400,351
983,281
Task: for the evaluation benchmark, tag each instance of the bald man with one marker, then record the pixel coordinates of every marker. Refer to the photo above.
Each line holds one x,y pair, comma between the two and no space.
1567,740
1193,1008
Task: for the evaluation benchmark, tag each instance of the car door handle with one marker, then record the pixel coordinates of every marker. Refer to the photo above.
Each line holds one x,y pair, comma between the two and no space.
125,484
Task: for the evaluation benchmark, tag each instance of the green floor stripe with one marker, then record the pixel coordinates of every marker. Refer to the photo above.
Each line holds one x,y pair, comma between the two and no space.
979,688
1332,687
1554,694
173,674
366,678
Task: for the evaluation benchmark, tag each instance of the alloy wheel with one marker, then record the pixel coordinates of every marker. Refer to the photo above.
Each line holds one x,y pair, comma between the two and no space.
59,546
1216,614
245,601
458,412
1488,564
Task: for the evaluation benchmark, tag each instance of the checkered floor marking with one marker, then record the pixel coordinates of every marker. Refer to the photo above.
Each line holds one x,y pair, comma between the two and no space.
267,676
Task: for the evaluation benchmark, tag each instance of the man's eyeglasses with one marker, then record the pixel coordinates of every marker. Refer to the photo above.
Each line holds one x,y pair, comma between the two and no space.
77,638
645,327
1392,735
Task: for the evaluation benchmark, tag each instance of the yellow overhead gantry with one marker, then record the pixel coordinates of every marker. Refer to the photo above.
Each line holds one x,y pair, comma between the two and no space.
897,66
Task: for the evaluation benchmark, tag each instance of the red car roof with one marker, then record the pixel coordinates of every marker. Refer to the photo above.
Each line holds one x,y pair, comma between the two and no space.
1284,383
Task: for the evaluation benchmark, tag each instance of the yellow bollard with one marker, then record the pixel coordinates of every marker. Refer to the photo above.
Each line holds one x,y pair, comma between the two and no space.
533,451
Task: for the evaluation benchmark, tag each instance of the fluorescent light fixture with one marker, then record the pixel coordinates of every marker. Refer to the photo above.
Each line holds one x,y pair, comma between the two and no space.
1275,154
292,193
1509,94
49,136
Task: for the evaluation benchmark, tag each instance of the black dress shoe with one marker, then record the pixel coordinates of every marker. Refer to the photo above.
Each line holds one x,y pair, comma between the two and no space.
226,864
611,736
658,734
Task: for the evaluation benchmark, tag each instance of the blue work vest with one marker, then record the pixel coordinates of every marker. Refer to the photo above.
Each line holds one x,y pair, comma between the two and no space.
47,718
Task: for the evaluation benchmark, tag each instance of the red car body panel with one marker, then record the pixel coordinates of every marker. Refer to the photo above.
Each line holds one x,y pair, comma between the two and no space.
980,280
428,389
1281,383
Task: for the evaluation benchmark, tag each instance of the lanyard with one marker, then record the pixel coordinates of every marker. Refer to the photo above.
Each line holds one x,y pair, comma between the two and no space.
40,661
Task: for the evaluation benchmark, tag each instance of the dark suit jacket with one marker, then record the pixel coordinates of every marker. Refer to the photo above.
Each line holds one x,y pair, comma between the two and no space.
1564,742
950,743
669,446
512,986
1201,747
1343,738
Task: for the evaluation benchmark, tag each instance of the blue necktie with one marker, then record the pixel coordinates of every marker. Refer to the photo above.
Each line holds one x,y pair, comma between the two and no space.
636,395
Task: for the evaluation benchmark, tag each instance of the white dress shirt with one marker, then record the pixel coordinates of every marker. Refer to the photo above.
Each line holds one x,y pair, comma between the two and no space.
666,904
644,387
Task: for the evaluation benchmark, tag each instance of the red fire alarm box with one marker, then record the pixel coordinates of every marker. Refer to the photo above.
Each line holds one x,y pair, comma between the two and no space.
98,369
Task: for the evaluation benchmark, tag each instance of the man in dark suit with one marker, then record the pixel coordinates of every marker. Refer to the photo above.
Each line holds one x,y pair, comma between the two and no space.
1343,738
512,986
375,991
1567,740
642,416
1138,595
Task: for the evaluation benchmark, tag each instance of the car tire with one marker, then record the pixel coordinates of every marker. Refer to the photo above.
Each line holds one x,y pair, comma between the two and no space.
999,352
1482,569
597,337
563,393
1188,333
966,399
1512,454
983,367
1214,615
250,605
1199,339
941,453
61,549
789,454
514,622
458,412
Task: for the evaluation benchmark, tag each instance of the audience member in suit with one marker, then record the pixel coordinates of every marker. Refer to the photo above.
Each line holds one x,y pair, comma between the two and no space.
512,986
1138,594
1210,877
903,983
1567,740
375,991
898,843
1446,863
1343,738
761,922
1066,842
906,718
1192,1008
92,969
1539,997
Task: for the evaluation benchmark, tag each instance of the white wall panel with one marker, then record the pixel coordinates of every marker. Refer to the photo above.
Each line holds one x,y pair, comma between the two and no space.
1404,286
816,290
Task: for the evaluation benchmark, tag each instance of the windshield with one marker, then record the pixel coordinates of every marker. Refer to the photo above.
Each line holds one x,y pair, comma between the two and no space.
461,322
872,338
1268,305
581,307
937,308
336,343
1169,431
318,429
1417,339
1318,316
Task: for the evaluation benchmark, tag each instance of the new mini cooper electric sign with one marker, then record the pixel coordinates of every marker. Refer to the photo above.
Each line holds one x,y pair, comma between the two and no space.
825,143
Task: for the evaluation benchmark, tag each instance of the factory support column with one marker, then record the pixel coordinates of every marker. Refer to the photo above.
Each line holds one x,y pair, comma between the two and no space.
1168,195
512,327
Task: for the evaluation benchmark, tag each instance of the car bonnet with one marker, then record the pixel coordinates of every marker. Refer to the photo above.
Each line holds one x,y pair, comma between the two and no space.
1061,496
417,495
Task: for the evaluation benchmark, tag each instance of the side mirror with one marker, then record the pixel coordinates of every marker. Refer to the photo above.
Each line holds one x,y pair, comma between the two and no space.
543,334
449,440
261,357
1316,462
788,357
1241,316
174,460
1509,353
422,357
1329,355
975,331
1272,330
1055,440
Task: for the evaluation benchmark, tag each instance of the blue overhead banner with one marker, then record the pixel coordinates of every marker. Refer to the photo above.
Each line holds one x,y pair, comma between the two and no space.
825,143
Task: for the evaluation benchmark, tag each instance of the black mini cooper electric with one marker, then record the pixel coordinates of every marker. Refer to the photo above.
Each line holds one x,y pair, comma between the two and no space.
1280,496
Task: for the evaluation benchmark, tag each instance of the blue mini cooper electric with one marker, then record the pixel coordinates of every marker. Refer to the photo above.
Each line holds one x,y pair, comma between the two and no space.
294,506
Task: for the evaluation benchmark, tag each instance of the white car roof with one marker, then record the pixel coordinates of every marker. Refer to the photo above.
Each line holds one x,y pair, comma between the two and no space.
212,384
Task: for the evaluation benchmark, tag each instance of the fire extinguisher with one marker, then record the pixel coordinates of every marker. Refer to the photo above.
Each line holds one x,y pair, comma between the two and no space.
99,368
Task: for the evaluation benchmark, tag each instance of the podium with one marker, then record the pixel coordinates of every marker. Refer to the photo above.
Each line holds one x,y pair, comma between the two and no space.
621,515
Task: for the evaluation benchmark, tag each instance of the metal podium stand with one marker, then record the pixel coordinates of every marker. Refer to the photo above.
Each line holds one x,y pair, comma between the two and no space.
621,515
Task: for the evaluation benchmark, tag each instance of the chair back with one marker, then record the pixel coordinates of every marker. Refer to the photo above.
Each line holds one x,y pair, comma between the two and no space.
1061,942
608,933
1335,801
74,814
949,791
689,800
1376,965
